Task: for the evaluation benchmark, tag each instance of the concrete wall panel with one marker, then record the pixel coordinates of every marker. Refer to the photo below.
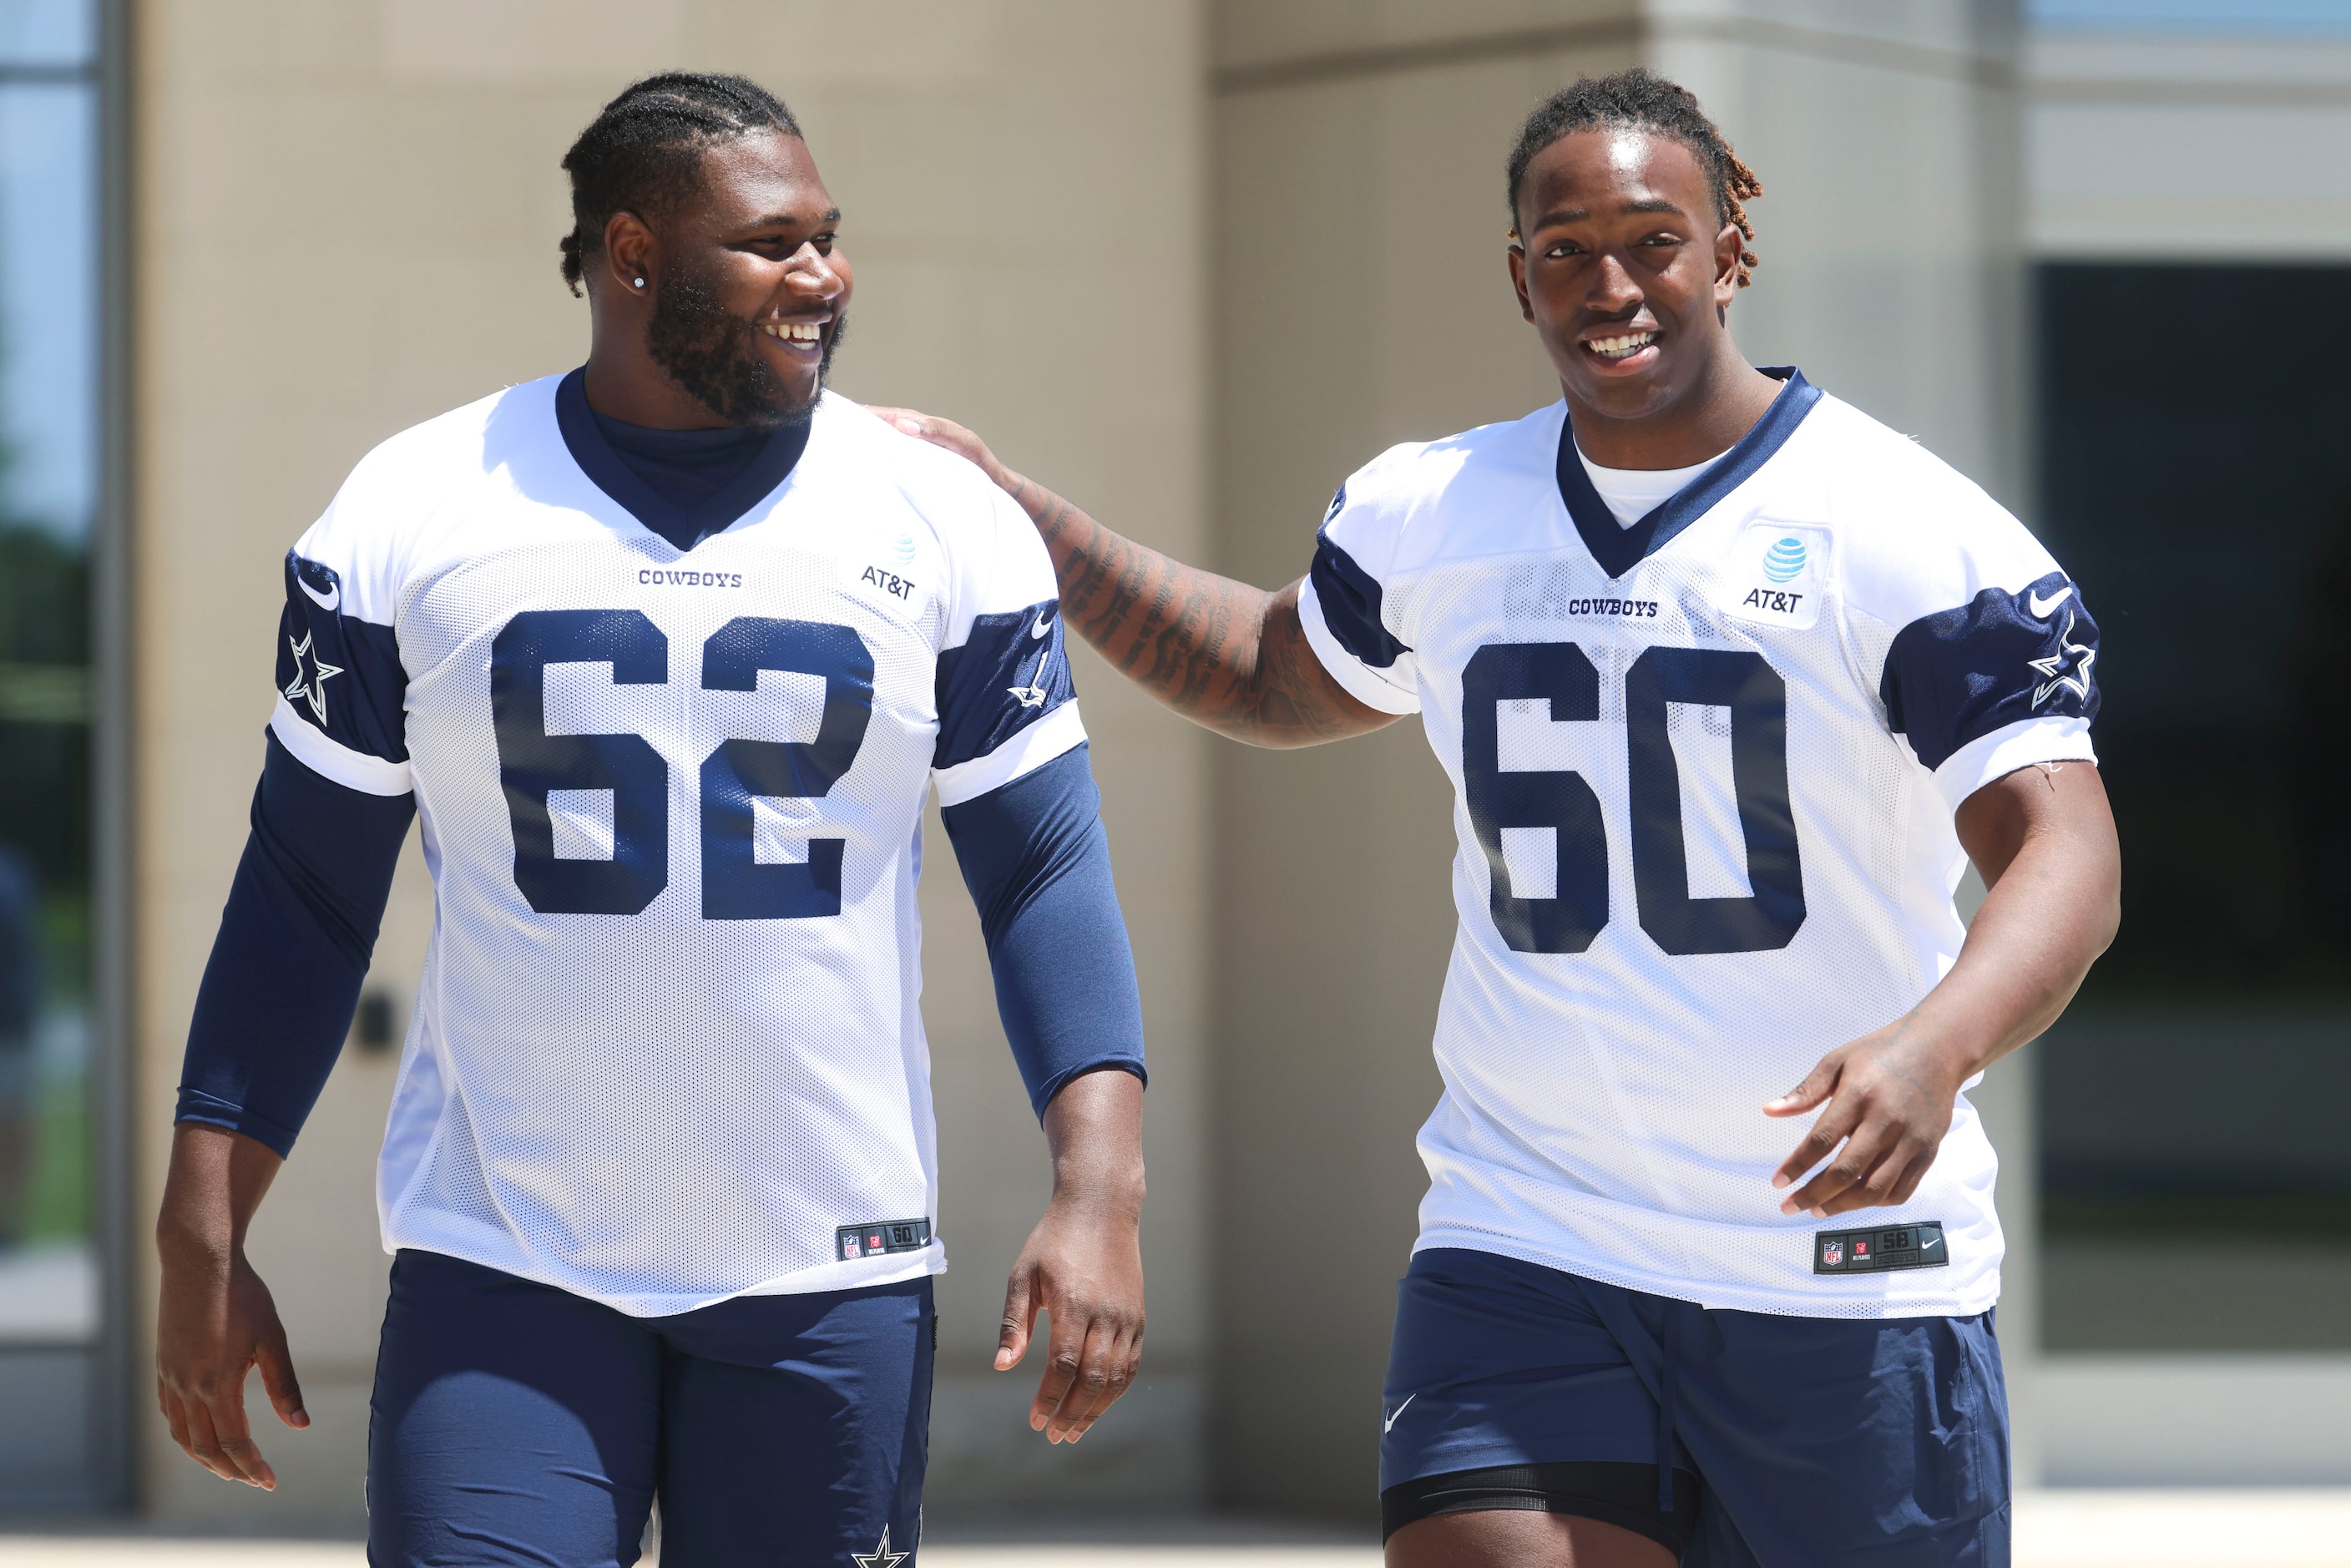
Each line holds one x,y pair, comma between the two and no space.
2162,148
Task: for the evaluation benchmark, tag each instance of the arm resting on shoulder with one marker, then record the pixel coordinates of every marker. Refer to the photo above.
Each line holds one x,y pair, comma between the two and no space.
1228,656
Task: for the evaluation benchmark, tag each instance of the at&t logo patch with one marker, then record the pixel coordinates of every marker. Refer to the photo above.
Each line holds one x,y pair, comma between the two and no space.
1775,574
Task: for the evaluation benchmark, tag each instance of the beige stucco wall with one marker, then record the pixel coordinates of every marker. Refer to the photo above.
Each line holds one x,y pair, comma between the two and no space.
346,222
1362,299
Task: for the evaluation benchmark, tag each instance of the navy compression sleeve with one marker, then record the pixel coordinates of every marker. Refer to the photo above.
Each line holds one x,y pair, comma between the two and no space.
1037,861
294,943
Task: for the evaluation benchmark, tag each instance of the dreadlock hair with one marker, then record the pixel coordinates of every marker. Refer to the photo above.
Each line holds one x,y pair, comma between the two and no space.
644,149
1635,98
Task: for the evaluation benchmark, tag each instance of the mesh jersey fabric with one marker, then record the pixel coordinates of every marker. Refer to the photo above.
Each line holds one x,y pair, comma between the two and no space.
667,1043
1704,811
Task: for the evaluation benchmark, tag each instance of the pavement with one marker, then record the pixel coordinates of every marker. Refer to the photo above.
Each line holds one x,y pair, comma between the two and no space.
2056,1528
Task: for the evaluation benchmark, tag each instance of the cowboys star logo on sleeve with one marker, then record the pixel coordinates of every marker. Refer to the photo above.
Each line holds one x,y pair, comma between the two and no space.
310,688
1034,694
2068,668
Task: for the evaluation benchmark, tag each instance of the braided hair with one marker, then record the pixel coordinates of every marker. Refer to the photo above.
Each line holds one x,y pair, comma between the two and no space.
645,148
1636,99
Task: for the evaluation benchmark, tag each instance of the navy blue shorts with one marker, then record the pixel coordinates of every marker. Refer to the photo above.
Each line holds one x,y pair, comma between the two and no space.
1736,1439
515,1422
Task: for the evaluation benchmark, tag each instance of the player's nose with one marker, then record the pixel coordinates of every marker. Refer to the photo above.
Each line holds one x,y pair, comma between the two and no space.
811,276
1613,288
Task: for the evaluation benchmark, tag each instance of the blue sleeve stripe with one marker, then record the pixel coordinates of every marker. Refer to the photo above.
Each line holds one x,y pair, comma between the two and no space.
1957,676
1350,598
338,673
1009,673
1037,861
293,948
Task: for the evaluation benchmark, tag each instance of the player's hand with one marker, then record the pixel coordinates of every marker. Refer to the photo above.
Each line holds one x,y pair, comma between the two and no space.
1888,1099
946,433
1083,1263
1085,1271
217,1321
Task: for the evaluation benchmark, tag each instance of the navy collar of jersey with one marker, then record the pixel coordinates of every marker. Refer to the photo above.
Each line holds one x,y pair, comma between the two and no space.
1619,549
683,527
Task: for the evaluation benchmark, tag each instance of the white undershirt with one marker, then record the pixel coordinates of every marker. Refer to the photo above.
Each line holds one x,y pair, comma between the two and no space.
1633,493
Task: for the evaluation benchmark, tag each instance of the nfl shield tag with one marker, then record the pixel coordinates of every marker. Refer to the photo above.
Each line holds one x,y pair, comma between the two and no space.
1916,1245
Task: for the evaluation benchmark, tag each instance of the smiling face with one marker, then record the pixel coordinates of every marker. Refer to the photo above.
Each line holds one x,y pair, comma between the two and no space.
1624,269
746,286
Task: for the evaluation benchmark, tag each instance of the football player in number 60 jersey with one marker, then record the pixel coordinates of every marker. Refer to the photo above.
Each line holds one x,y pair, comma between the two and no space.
1730,682
666,654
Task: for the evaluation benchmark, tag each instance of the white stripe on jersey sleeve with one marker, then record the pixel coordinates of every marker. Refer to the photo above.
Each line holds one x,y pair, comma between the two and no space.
2003,751
333,760
1363,683
1029,749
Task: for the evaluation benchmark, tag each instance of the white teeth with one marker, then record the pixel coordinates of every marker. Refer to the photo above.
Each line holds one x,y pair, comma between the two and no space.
809,332
1617,348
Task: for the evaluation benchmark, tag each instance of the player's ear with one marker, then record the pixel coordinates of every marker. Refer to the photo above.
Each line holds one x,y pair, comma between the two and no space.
1728,246
1517,253
629,252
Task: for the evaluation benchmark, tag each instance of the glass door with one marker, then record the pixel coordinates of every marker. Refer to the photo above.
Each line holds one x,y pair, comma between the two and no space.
2196,1173
52,1316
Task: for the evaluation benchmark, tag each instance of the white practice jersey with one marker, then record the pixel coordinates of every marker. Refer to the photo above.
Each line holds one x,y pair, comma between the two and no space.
1705,769
667,1048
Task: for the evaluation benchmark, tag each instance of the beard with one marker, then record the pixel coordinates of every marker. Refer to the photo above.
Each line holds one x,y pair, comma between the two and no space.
716,356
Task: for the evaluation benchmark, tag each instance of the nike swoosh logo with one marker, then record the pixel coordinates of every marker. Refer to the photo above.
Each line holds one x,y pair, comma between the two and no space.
323,600
1044,624
2042,607
1931,1244
1389,1425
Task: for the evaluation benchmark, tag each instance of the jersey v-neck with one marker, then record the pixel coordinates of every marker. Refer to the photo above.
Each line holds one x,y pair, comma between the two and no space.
1619,548
683,485
1632,494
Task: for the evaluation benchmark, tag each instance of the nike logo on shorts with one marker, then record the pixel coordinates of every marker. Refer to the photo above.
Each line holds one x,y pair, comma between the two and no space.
1387,1424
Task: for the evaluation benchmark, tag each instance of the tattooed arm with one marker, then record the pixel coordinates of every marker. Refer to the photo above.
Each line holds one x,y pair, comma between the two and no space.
1224,654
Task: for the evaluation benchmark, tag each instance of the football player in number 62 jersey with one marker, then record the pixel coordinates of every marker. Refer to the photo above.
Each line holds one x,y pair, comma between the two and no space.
665,654
1731,681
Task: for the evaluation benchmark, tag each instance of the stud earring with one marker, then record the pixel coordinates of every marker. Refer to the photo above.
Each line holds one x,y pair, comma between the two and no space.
640,283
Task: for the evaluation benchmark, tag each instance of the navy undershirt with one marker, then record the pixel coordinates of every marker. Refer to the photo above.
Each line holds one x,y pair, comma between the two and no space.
683,485
685,467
